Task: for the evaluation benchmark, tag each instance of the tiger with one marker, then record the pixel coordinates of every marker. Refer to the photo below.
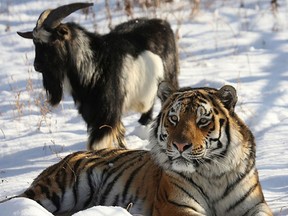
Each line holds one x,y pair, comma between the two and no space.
201,162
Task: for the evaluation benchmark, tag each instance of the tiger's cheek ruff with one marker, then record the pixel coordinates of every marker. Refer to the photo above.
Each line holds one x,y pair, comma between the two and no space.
217,139
222,147
158,140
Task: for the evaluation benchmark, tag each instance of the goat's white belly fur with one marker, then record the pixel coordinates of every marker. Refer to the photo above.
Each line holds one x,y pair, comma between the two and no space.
141,77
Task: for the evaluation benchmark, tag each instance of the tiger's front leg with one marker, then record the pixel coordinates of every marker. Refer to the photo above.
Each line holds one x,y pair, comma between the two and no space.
175,209
171,199
261,209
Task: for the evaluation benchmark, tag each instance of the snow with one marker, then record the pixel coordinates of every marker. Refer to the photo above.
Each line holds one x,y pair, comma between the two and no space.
23,206
246,47
27,207
103,211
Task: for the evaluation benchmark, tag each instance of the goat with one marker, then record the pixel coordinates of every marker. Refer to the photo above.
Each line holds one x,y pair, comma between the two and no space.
107,75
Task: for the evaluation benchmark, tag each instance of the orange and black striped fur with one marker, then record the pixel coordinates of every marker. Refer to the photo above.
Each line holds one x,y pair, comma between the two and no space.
202,162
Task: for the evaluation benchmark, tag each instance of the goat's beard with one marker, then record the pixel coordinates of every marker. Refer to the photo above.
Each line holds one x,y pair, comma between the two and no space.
54,88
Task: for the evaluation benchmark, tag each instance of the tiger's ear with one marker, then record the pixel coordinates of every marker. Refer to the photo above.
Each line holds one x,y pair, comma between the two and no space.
228,96
165,89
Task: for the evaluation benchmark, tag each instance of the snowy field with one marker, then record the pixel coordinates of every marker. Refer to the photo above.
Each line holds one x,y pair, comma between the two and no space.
246,47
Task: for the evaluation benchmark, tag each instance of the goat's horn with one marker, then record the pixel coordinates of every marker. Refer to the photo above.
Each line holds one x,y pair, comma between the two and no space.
55,16
28,35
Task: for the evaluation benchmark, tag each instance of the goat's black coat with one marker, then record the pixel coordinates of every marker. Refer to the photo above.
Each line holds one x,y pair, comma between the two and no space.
93,64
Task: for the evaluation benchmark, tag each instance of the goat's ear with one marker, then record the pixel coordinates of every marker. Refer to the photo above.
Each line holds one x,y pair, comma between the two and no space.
228,97
63,32
27,35
165,89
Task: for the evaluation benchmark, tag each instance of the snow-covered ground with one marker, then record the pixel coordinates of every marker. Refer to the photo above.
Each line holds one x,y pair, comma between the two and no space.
224,43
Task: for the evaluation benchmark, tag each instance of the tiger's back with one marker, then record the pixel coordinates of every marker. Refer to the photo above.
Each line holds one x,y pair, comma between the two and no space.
105,177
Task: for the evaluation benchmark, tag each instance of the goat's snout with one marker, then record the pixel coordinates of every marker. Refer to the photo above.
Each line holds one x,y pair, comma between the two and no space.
37,67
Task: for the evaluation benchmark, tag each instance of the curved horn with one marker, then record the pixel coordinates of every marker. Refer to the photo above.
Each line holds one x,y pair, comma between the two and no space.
27,35
55,16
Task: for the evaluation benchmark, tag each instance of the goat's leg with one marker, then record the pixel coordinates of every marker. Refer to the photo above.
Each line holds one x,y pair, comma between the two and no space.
120,135
107,136
274,5
100,137
146,118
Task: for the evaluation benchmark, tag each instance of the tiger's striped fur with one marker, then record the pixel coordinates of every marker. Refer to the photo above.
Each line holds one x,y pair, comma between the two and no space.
202,163
105,177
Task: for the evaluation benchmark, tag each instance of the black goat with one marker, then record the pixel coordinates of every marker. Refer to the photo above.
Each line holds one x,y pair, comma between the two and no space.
106,75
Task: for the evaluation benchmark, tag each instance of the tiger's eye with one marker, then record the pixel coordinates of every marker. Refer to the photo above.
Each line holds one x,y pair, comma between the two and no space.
174,118
203,122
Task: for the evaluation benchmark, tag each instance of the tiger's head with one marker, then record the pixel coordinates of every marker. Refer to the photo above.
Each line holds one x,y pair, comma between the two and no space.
198,130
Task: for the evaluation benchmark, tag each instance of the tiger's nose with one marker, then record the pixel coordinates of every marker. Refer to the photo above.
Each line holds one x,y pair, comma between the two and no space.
181,147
